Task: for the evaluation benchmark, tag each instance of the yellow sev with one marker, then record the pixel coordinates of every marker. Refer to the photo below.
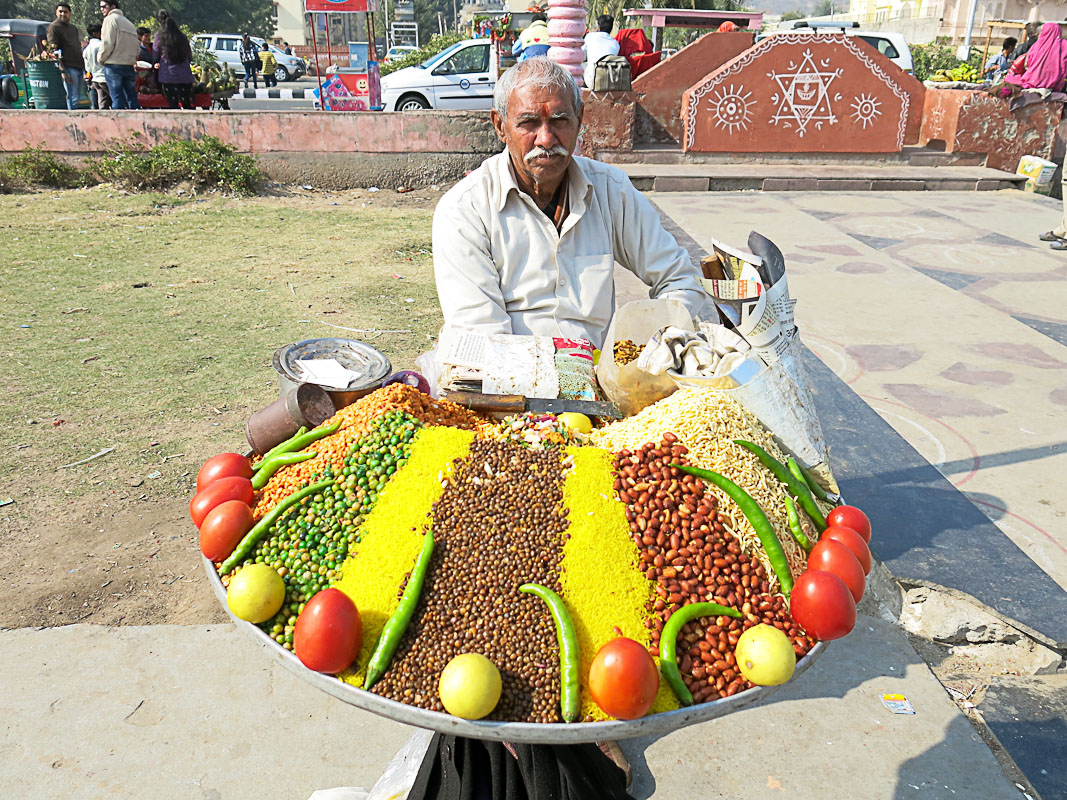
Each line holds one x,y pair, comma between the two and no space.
602,585
391,536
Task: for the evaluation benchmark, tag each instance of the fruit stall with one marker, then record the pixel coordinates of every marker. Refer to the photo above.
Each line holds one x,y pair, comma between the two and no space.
514,569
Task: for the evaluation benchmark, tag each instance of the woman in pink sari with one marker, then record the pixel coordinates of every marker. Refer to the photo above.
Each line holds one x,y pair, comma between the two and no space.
1046,62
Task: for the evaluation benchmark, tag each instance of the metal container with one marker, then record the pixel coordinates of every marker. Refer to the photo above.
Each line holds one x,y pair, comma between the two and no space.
305,404
525,732
372,365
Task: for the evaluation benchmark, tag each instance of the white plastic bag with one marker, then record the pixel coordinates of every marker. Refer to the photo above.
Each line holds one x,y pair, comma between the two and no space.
400,774
628,386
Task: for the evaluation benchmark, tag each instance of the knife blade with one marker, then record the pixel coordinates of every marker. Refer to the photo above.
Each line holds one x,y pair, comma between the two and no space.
517,404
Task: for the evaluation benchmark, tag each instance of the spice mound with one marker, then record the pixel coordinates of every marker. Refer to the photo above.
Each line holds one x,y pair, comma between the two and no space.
626,351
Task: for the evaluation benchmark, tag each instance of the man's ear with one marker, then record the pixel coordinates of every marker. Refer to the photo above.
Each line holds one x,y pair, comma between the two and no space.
498,124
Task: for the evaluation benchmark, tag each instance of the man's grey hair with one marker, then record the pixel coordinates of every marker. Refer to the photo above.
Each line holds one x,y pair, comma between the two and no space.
541,72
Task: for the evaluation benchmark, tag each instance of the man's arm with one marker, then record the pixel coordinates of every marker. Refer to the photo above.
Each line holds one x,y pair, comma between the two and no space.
645,248
107,40
468,284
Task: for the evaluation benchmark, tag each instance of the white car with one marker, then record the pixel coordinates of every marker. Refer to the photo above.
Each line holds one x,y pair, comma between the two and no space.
890,44
398,51
226,47
462,76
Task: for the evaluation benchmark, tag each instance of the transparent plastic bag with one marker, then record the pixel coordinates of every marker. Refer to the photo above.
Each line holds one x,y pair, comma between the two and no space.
400,773
627,386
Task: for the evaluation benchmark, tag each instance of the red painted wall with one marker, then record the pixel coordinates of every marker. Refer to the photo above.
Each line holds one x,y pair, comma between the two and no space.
975,122
297,132
804,93
659,101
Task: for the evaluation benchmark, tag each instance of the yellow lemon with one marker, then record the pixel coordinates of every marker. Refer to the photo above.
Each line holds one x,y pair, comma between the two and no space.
256,593
765,656
575,421
469,686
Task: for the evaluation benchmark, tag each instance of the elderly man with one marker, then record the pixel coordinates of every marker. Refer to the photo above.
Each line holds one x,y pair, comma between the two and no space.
527,242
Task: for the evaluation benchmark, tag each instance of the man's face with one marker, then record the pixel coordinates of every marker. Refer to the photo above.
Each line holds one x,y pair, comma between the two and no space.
146,39
540,132
62,14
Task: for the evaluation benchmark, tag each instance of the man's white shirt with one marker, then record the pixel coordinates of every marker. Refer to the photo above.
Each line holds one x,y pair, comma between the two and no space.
501,266
597,45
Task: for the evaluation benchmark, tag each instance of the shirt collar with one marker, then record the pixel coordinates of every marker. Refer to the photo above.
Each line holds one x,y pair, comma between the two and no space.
578,184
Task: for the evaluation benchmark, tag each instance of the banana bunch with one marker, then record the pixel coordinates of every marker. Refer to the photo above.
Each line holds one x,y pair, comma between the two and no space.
965,73
214,78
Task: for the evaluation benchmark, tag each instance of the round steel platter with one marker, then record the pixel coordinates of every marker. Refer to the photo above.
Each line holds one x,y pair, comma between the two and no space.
525,732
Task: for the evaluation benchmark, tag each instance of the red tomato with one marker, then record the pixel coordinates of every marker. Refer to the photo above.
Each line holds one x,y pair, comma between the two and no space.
224,465
623,679
853,541
823,605
830,555
231,488
223,528
328,632
851,517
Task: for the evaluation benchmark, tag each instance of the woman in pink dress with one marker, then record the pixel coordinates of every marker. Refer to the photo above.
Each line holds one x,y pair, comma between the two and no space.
1046,62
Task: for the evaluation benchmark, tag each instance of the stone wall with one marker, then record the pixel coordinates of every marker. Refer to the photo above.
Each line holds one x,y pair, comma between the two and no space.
329,150
965,121
802,93
658,115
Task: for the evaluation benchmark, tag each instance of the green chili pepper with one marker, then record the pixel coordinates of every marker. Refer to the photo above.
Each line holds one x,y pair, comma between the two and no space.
267,467
260,529
797,488
668,659
754,514
280,448
794,524
809,480
570,697
394,628
300,442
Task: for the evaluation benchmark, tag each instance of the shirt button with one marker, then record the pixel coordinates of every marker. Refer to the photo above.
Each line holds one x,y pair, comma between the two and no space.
562,282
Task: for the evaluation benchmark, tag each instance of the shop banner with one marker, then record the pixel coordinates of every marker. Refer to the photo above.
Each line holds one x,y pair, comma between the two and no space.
339,6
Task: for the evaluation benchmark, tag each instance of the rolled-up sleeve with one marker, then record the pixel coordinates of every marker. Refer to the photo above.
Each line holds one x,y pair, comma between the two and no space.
468,285
649,251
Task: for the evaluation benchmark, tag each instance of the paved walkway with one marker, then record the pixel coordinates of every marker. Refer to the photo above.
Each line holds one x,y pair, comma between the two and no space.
947,316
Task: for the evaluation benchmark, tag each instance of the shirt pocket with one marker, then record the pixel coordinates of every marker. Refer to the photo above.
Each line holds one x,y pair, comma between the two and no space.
595,283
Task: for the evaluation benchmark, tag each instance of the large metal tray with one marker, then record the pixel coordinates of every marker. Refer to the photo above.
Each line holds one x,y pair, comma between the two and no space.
525,732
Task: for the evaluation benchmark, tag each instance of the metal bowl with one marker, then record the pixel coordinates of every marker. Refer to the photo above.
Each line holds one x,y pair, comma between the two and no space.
372,365
524,732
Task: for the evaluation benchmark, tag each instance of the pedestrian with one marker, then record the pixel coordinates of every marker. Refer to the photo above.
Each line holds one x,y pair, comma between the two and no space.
1030,34
250,60
118,53
99,97
64,37
533,41
598,44
287,49
997,66
173,60
144,36
268,63
1046,62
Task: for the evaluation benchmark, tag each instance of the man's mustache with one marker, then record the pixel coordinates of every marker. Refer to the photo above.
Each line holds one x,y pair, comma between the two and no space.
538,151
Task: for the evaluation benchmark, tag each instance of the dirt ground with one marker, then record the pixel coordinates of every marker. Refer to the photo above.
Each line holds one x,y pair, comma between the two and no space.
110,542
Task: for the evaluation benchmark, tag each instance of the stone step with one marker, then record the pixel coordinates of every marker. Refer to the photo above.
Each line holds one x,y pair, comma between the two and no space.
817,177
912,155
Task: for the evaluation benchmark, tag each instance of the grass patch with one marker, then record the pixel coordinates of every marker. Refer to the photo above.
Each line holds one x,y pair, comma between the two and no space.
36,167
148,324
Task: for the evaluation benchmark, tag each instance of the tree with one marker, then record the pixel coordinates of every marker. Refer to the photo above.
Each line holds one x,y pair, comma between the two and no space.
236,16
796,13
823,8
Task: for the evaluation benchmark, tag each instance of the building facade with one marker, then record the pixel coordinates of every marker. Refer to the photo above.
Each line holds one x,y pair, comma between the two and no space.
923,21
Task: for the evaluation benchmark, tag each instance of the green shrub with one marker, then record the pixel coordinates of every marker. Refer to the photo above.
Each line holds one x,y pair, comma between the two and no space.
929,58
206,163
35,167
436,44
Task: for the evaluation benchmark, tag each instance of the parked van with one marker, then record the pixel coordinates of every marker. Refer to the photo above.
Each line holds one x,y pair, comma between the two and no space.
890,44
461,76
226,47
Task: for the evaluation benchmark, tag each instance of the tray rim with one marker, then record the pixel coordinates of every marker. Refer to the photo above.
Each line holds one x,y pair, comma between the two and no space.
520,732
